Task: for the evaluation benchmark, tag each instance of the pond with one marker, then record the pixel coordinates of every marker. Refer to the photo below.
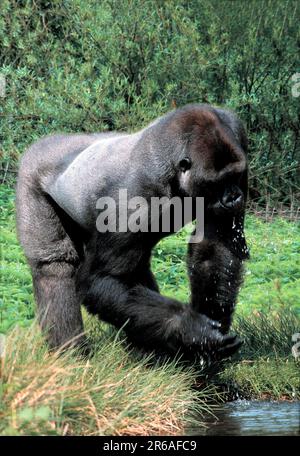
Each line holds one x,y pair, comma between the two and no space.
243,417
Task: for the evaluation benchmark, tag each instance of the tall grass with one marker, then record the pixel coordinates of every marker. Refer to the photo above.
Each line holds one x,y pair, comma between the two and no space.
111,393
265,368
267,335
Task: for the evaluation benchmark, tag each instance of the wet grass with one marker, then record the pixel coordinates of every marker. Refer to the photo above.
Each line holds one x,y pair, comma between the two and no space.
265,367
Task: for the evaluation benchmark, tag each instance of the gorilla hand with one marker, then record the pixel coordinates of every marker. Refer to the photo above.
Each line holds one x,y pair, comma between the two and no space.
200,336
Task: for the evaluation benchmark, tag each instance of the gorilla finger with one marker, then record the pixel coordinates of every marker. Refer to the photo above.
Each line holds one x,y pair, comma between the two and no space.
229,339
229,350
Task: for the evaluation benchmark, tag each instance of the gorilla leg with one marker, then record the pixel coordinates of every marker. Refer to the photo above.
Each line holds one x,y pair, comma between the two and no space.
58,306
54,260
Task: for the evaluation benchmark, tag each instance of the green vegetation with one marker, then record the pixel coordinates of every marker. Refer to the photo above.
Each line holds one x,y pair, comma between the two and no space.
16,299
265,368
85,65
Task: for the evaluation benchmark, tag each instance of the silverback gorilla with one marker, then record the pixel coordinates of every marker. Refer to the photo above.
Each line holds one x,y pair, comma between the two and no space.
194,151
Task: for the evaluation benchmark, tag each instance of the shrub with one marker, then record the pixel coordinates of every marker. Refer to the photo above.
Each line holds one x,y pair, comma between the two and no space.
84,65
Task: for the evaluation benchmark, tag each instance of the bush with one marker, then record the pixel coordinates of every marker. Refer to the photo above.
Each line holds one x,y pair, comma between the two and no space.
84,65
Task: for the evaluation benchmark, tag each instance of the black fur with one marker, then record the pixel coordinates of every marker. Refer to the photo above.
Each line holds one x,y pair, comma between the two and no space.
215,272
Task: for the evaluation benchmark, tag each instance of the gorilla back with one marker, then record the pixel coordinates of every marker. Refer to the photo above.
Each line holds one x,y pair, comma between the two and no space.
194,151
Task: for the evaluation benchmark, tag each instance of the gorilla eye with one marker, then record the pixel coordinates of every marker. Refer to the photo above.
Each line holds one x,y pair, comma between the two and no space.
185,164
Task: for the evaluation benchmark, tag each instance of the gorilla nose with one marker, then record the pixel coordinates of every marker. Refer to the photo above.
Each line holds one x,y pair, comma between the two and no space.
233,198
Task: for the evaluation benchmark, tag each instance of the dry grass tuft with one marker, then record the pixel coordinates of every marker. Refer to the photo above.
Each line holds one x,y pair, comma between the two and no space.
110,394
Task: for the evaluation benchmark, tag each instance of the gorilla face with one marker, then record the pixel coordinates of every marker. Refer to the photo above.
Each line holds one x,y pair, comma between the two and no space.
214,164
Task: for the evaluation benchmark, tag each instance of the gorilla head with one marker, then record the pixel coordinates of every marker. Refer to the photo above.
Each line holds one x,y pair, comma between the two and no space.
208,148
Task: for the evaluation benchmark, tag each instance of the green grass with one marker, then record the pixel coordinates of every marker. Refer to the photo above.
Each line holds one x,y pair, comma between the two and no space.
116,393
265,368
16,299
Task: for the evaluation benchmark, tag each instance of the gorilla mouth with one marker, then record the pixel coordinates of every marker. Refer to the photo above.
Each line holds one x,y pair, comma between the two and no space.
236,204
233,206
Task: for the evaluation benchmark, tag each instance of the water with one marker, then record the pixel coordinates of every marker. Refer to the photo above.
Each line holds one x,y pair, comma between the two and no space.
253,418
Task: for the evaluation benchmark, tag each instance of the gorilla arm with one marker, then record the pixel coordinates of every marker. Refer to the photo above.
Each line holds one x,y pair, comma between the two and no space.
215,267
150,320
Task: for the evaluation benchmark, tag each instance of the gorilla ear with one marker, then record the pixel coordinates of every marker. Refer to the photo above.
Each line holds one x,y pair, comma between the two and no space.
185,164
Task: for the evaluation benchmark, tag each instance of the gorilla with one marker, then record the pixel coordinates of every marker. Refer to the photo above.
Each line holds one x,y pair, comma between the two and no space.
197,150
